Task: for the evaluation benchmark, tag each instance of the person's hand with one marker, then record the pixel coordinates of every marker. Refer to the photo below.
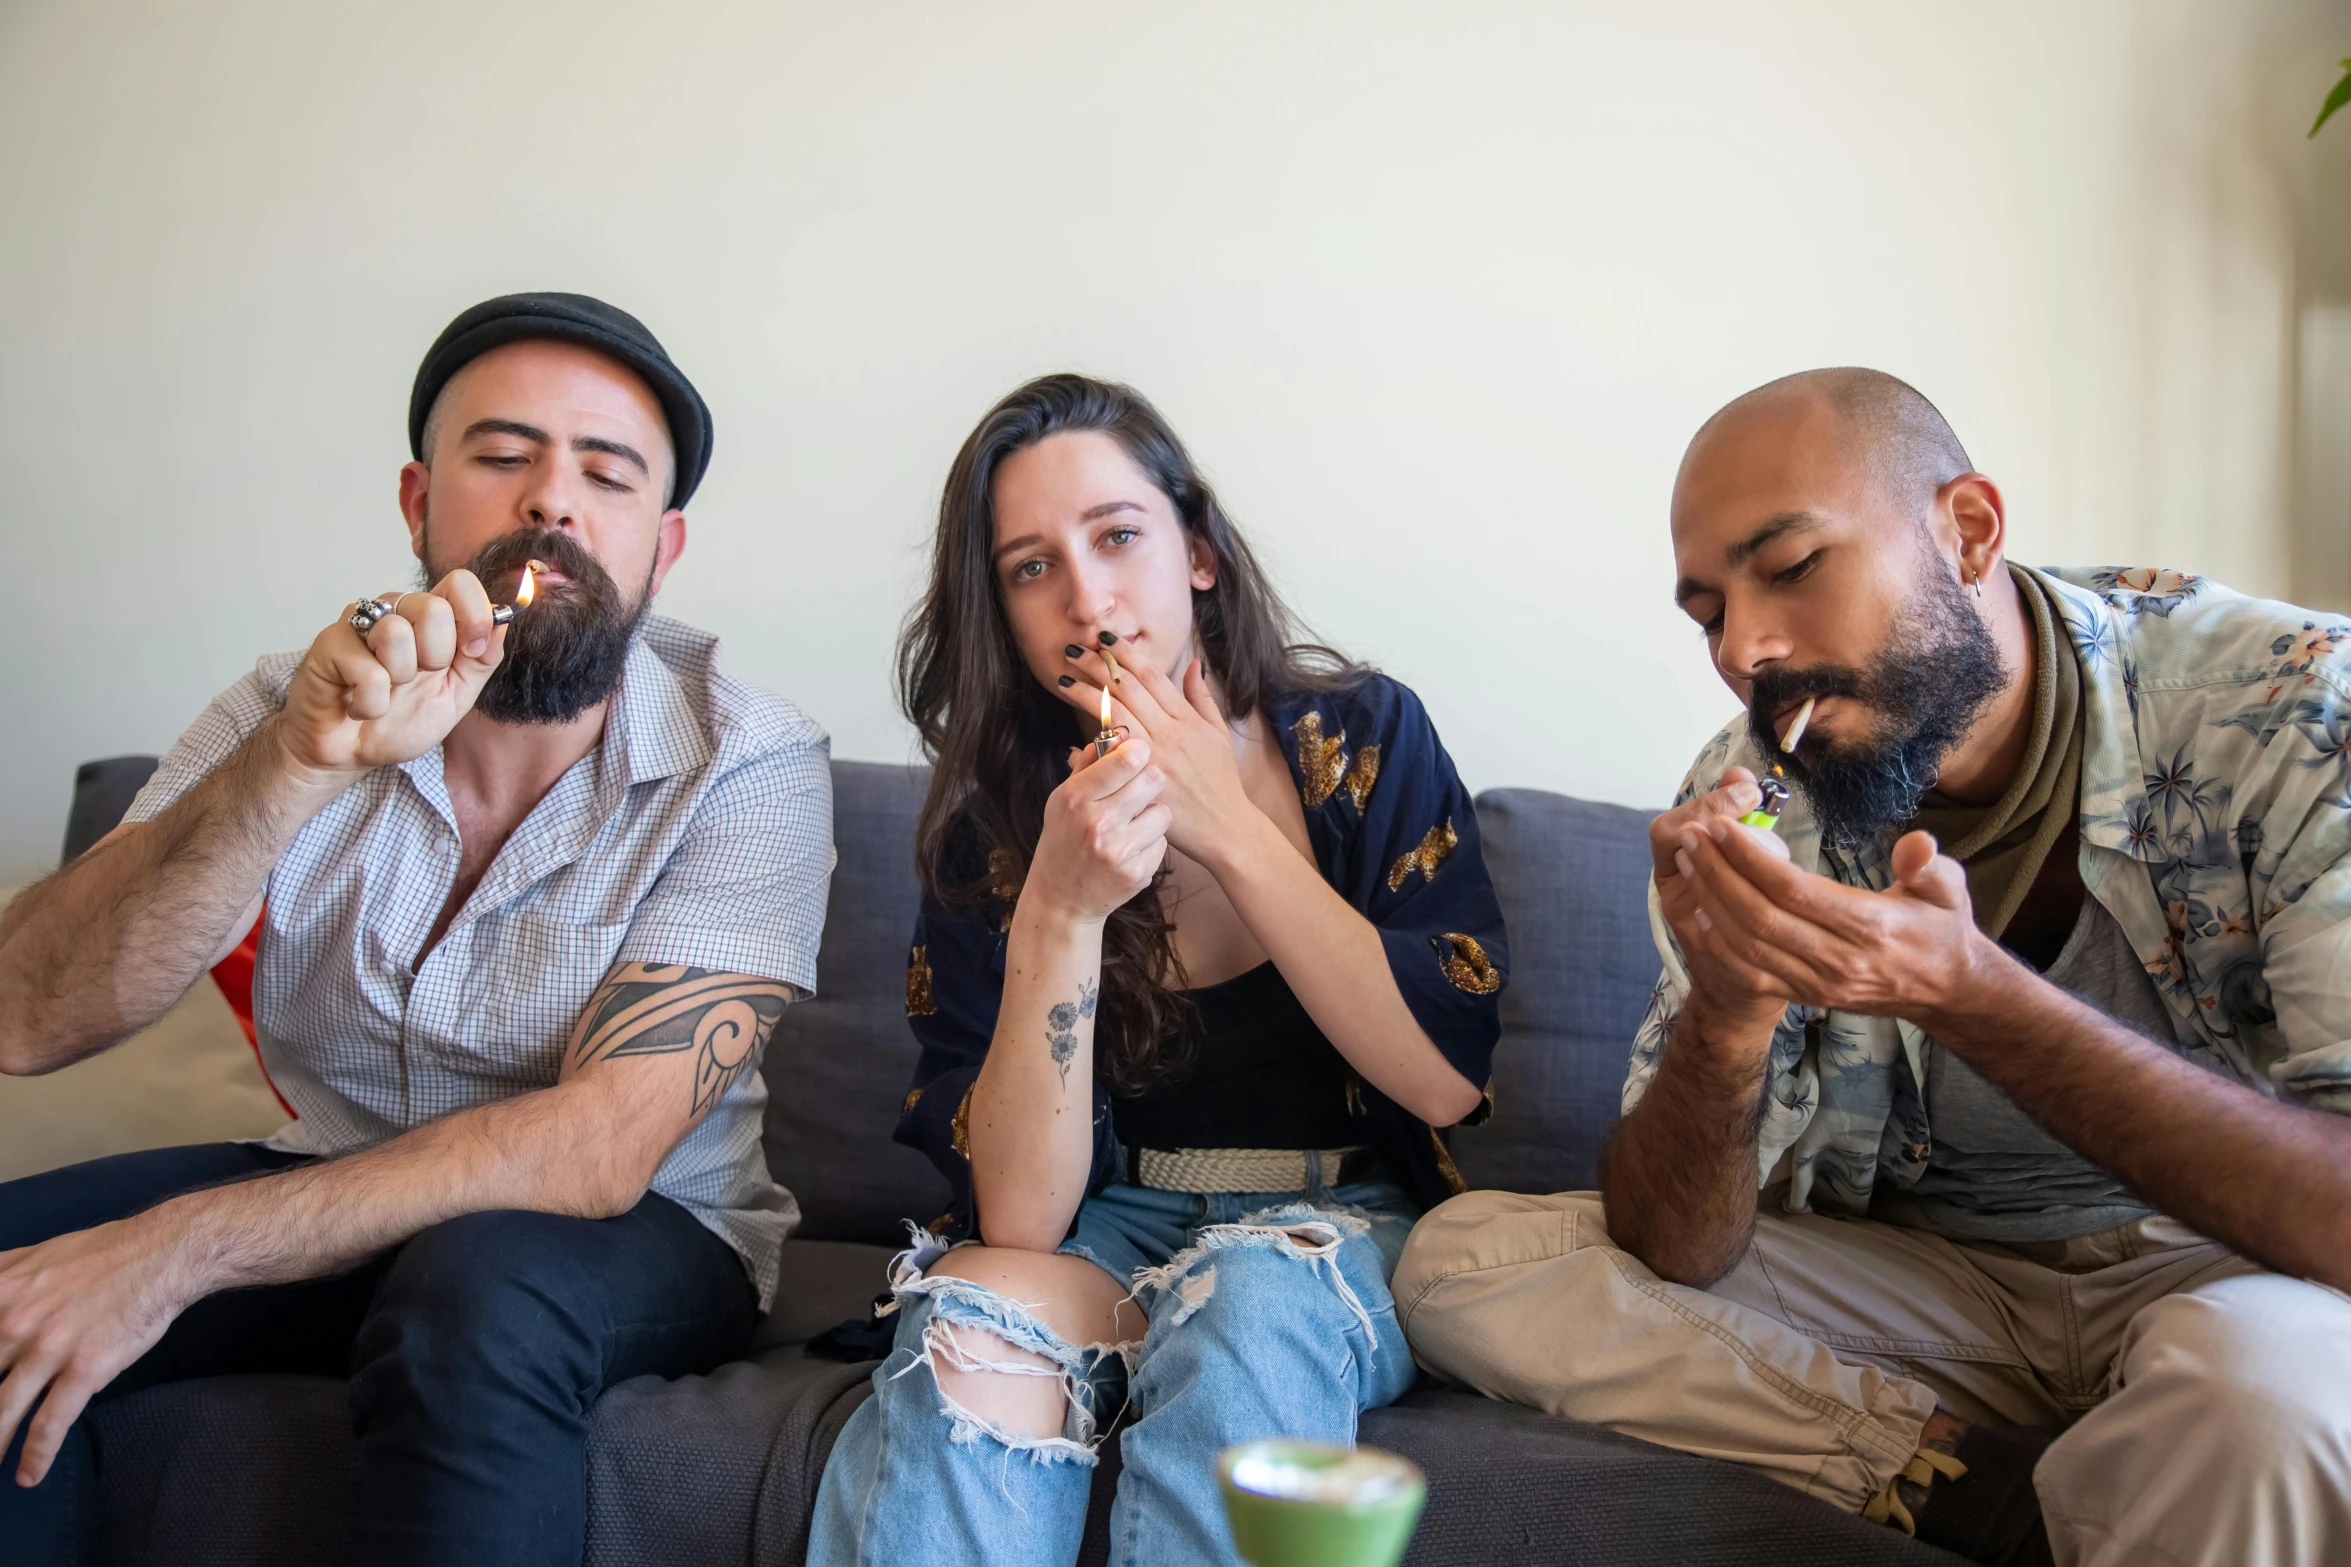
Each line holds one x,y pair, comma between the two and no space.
1191,744
75,1313
358,703
1105,834
1911,951
1749,999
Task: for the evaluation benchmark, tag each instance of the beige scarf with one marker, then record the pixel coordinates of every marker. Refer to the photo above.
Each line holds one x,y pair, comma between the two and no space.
2003,845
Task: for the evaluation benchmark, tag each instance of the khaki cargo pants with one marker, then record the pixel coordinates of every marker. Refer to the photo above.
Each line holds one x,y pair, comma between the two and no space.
2207,1401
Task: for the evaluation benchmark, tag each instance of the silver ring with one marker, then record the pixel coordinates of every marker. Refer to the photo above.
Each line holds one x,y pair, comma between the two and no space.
399,599
370,610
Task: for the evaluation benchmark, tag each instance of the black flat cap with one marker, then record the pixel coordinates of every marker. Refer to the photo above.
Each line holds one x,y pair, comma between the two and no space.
569,318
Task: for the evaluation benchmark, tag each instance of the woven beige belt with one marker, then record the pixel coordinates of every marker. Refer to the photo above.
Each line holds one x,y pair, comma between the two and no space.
1237,1169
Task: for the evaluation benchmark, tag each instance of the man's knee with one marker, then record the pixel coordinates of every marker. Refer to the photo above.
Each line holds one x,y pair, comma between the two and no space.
1479,1232
503,1289
2227,1438
2266,1358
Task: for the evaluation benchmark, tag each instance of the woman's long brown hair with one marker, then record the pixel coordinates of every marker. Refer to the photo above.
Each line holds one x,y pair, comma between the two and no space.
999,742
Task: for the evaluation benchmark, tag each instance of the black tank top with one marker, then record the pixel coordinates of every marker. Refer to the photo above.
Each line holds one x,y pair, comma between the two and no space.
1264,1077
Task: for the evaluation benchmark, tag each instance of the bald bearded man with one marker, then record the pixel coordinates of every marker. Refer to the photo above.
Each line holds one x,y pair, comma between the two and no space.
1997,1093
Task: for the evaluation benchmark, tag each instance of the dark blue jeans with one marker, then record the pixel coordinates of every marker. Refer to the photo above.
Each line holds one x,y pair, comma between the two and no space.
475,1352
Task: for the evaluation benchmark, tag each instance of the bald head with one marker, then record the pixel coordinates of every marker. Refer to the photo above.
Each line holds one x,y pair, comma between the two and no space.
1863,425
1833,541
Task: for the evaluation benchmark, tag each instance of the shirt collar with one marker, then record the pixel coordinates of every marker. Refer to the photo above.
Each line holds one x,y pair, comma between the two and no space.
2114,809
653,730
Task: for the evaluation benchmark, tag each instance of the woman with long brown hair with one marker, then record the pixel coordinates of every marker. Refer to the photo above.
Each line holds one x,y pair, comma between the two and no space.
1192,1003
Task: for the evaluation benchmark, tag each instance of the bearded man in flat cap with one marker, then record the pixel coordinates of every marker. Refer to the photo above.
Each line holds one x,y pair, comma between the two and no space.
529,895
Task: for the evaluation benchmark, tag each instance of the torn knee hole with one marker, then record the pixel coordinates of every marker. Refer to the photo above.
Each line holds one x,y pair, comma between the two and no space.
944,1344
971,1349
1193,1291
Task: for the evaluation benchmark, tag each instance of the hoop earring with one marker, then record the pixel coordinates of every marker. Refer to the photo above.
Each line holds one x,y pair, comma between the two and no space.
1979,584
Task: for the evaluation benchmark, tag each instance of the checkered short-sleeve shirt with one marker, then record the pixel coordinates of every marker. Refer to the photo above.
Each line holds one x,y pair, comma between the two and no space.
699,831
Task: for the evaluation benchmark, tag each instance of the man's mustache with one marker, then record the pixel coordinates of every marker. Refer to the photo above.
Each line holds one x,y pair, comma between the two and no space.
1775,688
506,554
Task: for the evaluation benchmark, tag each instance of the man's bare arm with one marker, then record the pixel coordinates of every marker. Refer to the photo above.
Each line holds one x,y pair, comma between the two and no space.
2271,1180
1678,1175
655,1049
106,945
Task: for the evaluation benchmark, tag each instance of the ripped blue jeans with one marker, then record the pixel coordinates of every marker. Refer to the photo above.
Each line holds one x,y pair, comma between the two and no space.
1269,1316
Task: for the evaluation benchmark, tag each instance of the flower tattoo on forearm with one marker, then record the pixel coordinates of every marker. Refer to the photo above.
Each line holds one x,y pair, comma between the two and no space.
1061,1026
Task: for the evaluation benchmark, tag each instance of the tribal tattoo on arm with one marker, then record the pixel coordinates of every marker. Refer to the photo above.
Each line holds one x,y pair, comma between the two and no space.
652,1009
1061,1026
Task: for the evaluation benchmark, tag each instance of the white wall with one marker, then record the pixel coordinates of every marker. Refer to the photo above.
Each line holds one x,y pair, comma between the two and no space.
1436,294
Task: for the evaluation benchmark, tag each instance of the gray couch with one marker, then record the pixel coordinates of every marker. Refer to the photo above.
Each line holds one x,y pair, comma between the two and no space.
722,1469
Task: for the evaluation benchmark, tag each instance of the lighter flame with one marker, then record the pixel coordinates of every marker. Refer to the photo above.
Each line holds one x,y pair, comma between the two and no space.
528,588
1106,684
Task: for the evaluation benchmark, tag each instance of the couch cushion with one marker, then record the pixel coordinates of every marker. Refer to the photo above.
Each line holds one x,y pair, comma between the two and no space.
715,1469
1573,878
839,1064
254,1471
1510,1485
248,1471
819,1284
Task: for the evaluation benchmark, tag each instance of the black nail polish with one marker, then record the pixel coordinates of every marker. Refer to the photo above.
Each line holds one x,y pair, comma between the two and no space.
1109,638
1069,680
1074,651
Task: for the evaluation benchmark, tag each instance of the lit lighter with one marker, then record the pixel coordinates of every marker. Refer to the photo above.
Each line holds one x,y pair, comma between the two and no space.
1106,739
524,592
1774,784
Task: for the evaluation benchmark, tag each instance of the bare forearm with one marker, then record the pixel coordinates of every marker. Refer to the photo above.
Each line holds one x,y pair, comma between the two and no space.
107,944
1678,1177
1032,1109
1332,959
2271,1180
561,1150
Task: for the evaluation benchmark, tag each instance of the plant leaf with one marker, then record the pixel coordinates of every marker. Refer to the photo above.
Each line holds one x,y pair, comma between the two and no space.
2335,100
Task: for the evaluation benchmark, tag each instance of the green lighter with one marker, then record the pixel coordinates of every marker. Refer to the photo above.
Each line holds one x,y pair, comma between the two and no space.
1774,784
1775,795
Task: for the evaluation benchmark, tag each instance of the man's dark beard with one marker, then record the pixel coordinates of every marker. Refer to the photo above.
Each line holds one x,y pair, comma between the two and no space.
565,653
1926,687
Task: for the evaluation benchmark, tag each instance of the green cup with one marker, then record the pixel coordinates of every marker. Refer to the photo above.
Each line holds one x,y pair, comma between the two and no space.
1302,1504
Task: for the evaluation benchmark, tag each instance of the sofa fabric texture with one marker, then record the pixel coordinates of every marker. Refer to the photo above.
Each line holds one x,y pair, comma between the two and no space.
722,1469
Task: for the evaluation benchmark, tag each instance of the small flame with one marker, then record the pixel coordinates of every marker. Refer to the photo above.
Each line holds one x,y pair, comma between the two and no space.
1106,705
528,588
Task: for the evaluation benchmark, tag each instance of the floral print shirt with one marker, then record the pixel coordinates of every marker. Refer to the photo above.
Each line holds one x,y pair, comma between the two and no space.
2215,828
1394,833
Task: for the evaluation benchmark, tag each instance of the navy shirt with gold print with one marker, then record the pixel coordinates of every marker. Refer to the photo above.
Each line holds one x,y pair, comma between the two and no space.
1393,833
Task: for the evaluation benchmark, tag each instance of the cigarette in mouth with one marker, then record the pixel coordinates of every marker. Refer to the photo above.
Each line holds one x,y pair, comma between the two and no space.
524,592
1796,726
